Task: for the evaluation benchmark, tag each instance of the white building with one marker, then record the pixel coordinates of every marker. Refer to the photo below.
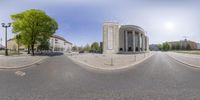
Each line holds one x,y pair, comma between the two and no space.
124,38
58,43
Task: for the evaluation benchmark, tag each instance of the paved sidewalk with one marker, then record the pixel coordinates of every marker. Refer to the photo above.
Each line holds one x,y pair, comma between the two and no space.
109,61
13,62
189,59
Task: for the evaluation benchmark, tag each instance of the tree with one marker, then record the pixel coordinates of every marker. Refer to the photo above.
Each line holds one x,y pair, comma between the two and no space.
87,47
95,46
166,46
177,46
74,48
188,47
44,45
18,41
173,47
160,47
33,25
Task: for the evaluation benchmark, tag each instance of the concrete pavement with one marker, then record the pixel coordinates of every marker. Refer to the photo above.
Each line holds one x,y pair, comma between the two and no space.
15,62
157,78
188,59
109,61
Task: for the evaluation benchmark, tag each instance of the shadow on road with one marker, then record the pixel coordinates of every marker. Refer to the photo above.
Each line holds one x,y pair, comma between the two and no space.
50,54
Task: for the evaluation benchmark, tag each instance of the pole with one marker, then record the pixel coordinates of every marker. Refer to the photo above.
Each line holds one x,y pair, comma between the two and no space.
6,50
1,43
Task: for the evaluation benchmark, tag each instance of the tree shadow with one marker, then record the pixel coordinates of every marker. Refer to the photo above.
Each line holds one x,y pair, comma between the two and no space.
50,54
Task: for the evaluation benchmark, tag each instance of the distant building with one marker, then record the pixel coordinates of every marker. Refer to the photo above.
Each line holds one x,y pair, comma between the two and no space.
12,45
198,46
154,47
57,43
183,45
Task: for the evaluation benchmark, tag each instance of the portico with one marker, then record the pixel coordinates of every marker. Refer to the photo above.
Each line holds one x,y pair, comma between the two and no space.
124,39
132,39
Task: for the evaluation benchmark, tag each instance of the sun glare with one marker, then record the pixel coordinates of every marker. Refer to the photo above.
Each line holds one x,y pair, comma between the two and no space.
169,25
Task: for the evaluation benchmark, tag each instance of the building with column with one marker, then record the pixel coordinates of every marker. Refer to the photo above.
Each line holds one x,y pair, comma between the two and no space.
124,39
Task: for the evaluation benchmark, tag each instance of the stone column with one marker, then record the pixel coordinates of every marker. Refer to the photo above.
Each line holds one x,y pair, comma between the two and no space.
126,41
139,35
147,43
133,41
143,43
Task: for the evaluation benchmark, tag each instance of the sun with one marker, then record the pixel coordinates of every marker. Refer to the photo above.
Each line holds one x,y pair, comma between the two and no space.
169,26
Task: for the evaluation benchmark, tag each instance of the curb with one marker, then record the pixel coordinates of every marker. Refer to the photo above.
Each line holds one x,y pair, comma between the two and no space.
194,66
23,66
111,69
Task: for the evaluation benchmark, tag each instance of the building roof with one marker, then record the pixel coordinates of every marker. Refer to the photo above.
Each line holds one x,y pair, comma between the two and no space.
132,27
61,38
10,39
54,36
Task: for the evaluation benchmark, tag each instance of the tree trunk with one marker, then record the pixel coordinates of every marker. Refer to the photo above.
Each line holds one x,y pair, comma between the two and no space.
32,49
18,48
28,49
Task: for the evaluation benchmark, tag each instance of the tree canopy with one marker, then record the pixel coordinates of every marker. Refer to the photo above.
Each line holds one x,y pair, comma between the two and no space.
34,26
95,46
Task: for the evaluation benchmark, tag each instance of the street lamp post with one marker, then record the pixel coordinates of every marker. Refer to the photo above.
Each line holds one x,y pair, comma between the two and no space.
6,26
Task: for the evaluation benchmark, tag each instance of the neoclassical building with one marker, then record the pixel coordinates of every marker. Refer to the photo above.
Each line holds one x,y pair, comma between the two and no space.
124,39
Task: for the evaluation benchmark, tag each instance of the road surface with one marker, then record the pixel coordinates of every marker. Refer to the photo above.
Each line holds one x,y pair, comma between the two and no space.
157,78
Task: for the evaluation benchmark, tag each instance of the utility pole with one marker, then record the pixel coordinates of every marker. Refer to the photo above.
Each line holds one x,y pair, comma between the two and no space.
185,37
1,42
6,26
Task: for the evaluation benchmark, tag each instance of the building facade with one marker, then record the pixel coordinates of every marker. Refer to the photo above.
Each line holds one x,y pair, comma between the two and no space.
56,43
124,39
198,46
12,45
183,45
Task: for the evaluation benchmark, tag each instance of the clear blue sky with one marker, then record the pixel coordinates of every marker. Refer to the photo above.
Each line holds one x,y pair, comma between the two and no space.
80,21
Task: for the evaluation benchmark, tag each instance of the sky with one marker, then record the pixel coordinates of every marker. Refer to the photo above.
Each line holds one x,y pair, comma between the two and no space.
80,21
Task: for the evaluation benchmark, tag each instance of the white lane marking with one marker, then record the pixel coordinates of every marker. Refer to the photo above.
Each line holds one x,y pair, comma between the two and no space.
20,73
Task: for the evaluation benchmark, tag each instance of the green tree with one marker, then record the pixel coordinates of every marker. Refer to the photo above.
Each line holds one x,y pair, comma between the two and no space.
188,47
87,47
43,42
32,25
95,46
74,48
160,47
173,47
166,46
178,46
44,45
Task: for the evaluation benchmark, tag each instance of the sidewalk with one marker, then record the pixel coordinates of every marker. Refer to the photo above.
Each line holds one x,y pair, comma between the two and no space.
109,61
189,59
14,62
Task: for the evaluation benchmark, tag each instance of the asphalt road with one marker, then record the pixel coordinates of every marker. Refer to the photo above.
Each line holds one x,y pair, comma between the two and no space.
58,78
